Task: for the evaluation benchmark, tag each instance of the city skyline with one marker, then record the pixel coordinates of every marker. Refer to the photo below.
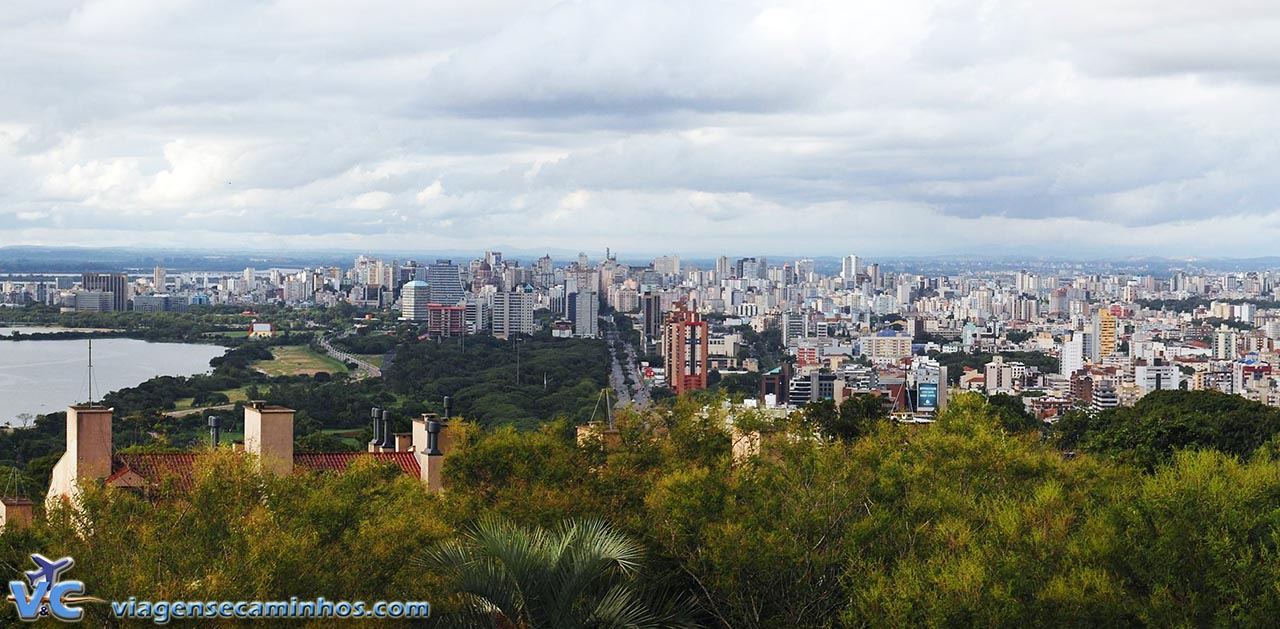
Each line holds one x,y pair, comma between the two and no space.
916,129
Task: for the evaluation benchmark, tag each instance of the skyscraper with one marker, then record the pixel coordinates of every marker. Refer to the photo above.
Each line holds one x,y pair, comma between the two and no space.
724,268
1224,343
158,279
446,282
684,341
414,297
651,310
1104,333
1072,358
850,266
582,302
115,283
513,311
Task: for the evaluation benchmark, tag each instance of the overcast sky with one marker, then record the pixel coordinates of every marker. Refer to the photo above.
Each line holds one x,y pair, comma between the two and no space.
822,128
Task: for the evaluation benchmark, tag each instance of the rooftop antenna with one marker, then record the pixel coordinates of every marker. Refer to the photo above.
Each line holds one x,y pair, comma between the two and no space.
89,377
13,486
608,408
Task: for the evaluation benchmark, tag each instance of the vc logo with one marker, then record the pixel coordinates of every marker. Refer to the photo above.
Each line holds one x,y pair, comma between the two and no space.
49,594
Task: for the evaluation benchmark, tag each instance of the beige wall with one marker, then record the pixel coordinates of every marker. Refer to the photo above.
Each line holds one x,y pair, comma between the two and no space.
88,455
268,433
429,466
15,513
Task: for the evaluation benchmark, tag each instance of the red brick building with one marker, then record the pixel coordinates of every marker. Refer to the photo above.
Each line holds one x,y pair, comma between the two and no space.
684,340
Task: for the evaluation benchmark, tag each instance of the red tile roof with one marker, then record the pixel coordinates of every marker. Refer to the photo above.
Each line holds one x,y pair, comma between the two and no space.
177,467
338,461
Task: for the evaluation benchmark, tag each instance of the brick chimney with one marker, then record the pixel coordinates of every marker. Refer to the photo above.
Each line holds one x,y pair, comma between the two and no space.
88,455
268,433
15,513
404,442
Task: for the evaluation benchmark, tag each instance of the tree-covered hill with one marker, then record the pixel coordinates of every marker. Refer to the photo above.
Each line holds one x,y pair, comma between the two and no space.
558,377
1163,422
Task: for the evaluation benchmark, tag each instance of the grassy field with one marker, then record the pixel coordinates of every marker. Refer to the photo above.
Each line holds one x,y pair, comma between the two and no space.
295,360
372,359
347,435
233,395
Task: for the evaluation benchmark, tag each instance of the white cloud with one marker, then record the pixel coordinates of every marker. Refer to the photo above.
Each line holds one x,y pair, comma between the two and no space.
430,193
907,127
375,200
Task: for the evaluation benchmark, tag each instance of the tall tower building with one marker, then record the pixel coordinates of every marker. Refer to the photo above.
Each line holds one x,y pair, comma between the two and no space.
159,278
446,282
414,297
1224,344
1072,358
582,302
651,309
684,341
513,311
1104,334
115,283
723,268
850,266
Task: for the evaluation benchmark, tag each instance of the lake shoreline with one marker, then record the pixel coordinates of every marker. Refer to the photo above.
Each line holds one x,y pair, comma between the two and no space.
21,334
51,372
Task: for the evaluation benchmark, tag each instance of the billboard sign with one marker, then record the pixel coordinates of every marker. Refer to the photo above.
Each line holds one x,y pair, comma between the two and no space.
927,397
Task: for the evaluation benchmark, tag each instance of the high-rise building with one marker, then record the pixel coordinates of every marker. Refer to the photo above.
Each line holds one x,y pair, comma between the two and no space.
115,283
446,281
513,311
1224,344
158,279
1104,334
446,321
1157,375
1072,357
724,268
685,350
583,309
667,265
652,319
582,302
90,301
544,273
414,298
850,267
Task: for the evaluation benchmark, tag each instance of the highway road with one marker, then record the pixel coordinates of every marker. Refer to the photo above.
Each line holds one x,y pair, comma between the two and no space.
363,367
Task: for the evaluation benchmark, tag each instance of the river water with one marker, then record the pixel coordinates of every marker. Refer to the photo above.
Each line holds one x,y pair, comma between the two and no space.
47,376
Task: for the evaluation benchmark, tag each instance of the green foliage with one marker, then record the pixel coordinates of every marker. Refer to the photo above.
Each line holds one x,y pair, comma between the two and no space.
479,373
1165,421
367,343
238,535
321,442
1012,413
957,361
740,384
855,416
970,521
578,574
1018,336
